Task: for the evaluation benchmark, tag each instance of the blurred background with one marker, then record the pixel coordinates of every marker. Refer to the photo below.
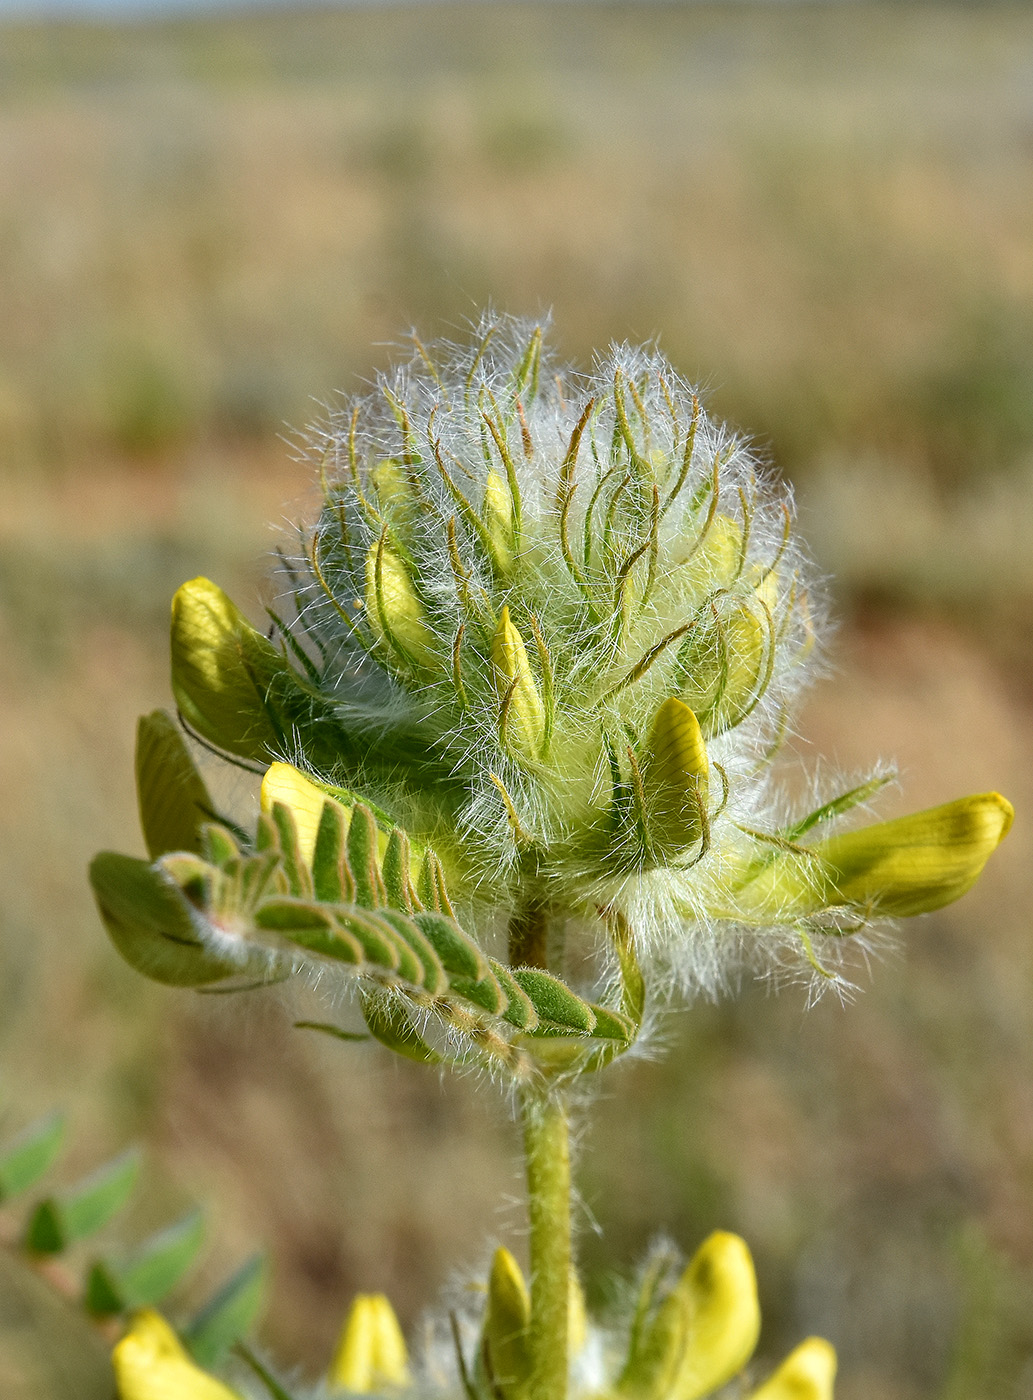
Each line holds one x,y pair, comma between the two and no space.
211,224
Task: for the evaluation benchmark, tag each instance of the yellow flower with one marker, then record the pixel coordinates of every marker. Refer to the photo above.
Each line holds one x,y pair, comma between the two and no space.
908,866
371,1353
151,1364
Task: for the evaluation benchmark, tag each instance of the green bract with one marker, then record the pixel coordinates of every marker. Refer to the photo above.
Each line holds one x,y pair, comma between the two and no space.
526,681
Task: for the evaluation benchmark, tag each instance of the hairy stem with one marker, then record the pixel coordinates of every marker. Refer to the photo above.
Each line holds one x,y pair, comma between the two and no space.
547,1154
528,941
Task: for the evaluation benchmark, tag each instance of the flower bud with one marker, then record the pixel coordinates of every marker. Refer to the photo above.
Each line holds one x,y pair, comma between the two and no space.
522,722
720,1287
507,1318
371,1353
807,1373
498,522
898,868
919,862
394,611
704,1331
150,1363
397,498
675,780
223,671
724,667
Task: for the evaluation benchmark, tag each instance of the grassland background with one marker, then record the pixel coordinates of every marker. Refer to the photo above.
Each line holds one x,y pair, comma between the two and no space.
207,227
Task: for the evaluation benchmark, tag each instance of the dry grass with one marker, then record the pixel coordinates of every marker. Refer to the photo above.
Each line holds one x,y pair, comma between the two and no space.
824,213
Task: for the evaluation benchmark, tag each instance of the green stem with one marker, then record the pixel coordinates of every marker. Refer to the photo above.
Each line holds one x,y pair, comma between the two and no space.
547,1154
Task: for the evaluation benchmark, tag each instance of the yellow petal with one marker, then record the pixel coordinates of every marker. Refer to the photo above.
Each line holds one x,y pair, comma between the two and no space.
394,611
724,1316
898,868
674,779
716,562
498,521
222,671
371,1353
919,862
283,783
151,1364
807,1373
517,689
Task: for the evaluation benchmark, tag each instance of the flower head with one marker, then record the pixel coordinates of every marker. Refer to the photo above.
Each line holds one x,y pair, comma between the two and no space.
530,670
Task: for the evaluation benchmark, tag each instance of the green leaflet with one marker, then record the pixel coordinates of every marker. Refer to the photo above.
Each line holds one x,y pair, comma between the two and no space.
554,1002
391,1024
167,918
460,956
228,1315
148,1274
152,924
172,797
77,1212
30,1155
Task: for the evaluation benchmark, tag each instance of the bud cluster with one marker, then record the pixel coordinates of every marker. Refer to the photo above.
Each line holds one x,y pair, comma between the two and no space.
563,618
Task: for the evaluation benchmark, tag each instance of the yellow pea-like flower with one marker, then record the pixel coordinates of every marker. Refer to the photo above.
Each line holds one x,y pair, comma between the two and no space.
523,713
151,1364
807,1373
919,862
393,609
371,1353
720,1289
898,868
222,671
675,779
498,521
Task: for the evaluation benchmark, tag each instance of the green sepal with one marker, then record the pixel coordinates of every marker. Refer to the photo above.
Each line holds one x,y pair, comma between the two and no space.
171,793
31,1154
845,802
228,1315
63,1219
149,1273
152,924
555,1003
393,1027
